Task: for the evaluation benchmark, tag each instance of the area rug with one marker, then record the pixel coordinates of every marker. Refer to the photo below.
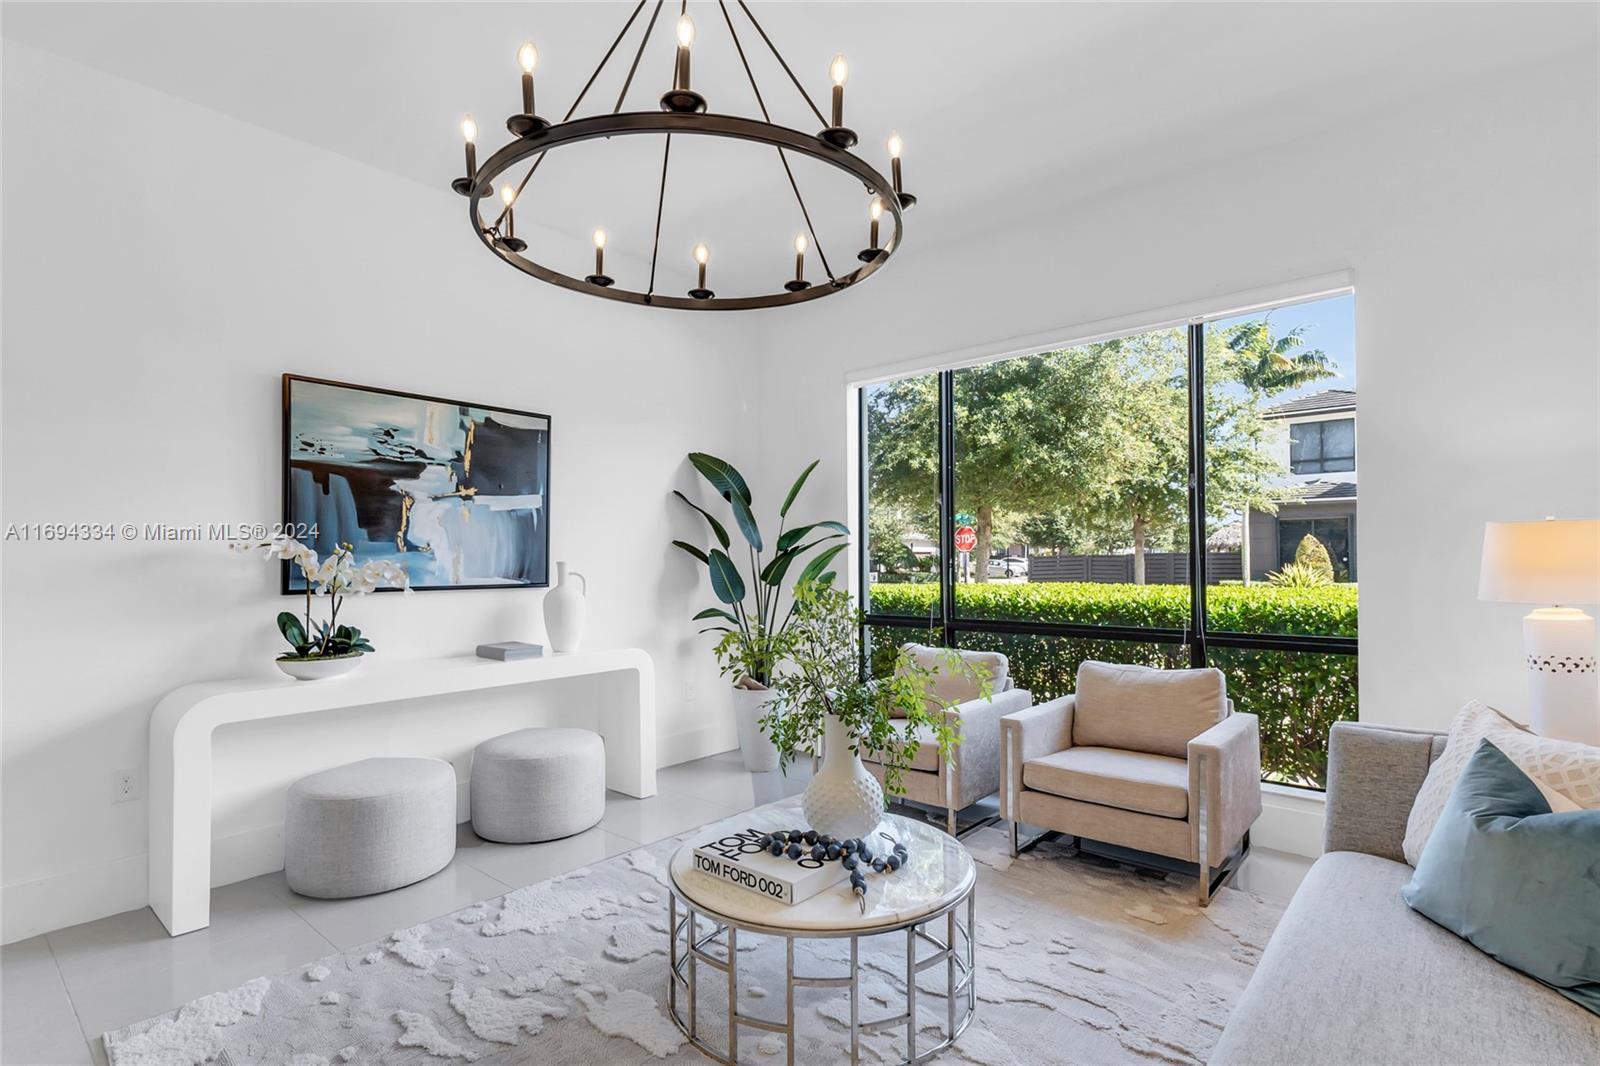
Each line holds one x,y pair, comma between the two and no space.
1079,961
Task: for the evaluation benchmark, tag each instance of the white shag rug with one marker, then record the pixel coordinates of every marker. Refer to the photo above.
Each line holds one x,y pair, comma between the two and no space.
1079,961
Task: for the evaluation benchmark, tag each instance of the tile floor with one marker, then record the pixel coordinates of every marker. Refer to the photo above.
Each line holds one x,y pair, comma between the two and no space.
62,990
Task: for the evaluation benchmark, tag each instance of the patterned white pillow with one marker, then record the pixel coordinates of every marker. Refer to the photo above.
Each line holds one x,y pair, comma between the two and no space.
1565,767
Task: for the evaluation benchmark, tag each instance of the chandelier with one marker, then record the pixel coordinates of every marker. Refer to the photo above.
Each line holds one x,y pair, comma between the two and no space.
682,113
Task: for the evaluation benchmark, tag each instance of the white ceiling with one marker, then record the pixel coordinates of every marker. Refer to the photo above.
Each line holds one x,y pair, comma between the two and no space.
1006,108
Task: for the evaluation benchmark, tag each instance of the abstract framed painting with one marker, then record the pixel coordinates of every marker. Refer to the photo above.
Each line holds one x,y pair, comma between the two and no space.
457,493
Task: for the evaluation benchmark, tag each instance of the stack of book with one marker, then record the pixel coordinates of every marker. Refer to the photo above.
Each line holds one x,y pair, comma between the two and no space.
739,859
510,651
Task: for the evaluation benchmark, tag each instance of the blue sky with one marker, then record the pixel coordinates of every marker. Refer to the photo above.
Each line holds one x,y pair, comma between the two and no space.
1330,324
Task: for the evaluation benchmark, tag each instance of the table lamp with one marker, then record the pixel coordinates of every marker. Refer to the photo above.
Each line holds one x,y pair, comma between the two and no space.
1556,564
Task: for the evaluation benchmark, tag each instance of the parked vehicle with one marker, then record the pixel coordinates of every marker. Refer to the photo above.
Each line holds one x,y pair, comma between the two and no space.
1009,566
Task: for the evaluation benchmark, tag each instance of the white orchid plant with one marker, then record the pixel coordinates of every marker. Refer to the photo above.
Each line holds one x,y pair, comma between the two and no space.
335,577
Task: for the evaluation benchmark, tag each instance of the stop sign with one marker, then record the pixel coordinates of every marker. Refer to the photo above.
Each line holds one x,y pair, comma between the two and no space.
966,539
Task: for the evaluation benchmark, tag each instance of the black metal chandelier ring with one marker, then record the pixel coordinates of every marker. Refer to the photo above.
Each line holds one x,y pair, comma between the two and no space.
666,122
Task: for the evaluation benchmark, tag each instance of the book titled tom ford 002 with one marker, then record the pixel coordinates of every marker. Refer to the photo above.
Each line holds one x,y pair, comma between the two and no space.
737,858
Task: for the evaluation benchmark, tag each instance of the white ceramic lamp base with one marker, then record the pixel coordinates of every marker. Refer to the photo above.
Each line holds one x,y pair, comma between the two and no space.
1562,678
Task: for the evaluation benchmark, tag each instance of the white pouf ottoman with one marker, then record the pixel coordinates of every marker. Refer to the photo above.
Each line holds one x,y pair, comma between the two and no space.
369,827
538,784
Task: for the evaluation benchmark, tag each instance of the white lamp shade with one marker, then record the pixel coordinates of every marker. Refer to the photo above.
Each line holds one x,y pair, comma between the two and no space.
1546,562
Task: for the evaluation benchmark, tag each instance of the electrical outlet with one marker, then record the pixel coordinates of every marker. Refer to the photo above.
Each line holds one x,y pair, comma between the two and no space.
688,692
124,786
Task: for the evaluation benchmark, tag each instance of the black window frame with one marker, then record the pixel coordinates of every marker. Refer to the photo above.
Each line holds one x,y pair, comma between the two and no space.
948,626
1320,463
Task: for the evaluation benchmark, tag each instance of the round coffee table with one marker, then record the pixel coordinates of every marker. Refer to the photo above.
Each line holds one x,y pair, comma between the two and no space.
921,900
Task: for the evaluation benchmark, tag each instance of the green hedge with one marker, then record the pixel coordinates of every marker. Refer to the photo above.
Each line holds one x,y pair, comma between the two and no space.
1328,611
1297,695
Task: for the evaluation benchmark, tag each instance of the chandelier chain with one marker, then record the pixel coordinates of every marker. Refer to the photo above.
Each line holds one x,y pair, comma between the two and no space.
781,62
782,158
627,82
661,199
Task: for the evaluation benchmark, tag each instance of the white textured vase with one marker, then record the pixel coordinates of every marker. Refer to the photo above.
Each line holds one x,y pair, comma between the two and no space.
843,800
564,608
749,707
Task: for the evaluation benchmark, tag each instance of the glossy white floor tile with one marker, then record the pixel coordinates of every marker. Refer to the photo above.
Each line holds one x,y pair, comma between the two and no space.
723,779
660,816
37,1023
522,864
349,923
112,996
1273,875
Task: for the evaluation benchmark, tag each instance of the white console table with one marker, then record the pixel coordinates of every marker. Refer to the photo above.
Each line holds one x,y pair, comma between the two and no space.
182,724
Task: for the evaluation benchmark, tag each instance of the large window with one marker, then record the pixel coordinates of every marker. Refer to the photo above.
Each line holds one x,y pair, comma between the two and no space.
1046,506
1322,447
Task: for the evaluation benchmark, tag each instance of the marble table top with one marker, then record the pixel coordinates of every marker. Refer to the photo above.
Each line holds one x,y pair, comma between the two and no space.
939,871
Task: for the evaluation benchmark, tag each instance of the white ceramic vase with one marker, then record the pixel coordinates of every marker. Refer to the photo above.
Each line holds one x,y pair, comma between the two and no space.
317,669
843,800
749,707
564,608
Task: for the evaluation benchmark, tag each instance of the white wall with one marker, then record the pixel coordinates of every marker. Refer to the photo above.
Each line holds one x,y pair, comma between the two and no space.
163,265
1468,222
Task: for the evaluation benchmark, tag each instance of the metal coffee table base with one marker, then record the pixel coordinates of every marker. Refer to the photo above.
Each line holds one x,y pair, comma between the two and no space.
688,952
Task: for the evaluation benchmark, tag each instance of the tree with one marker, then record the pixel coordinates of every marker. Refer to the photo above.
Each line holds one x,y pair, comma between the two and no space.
1089,446
1311,554
1259,364
1024,440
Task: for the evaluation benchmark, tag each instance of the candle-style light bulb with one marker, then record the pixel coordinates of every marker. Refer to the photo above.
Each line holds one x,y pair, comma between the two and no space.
800,258
702,255
600,258
508,196
800,245
527,58
469,134
896,146
874,212
680,72
600,238
839,71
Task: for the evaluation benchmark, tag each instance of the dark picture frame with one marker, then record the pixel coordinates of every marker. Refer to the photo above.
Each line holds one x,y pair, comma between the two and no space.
373,498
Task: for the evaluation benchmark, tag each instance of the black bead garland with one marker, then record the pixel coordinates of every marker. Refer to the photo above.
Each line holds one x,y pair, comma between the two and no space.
854,854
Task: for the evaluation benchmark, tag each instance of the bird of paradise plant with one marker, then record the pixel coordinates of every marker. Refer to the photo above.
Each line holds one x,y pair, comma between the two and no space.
753,617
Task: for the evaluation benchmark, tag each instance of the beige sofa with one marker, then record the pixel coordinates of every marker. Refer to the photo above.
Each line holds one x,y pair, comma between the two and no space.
974,771
1152,760
1352,976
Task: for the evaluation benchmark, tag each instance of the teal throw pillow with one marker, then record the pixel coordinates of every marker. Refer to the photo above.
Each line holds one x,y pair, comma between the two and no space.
1517,881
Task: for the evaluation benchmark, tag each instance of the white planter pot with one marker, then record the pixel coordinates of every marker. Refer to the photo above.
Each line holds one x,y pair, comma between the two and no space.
564,610
843,799
317,669
749,707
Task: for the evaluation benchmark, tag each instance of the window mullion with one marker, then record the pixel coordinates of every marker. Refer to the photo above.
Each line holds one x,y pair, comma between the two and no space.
1197,493
947,507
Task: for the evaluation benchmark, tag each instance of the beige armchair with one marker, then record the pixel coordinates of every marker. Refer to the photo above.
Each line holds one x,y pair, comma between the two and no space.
1153,760
974,771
